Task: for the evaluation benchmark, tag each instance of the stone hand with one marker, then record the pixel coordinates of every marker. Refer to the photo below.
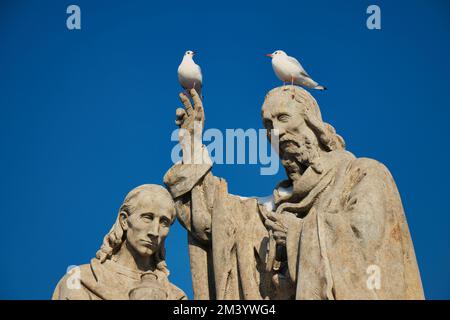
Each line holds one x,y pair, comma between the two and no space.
279,224
278,230
190,120
275,223
187,116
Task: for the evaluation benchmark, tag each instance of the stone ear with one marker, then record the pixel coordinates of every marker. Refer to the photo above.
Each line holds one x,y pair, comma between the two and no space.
123,216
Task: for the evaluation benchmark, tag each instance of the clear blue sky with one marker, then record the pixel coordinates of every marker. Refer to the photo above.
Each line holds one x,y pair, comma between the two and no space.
87,115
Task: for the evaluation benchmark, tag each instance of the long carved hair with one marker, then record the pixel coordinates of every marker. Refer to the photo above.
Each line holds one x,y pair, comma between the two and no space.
115,238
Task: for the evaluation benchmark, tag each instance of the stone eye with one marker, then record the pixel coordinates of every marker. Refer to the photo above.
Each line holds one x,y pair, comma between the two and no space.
147,217
165,222
283,117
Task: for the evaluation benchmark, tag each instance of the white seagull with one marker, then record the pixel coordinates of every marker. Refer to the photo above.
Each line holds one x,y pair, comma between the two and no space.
190,74
288,69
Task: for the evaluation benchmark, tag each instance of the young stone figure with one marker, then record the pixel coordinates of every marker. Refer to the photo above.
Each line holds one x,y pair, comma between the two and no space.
131,261
334,229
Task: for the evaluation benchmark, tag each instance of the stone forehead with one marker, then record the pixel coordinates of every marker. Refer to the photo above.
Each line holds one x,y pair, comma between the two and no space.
149,195
282,96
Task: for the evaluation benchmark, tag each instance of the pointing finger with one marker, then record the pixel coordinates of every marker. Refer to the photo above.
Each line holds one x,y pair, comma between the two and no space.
196,99
187,104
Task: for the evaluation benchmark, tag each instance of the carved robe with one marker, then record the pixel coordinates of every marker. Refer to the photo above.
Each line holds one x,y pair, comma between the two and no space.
349,238
107,281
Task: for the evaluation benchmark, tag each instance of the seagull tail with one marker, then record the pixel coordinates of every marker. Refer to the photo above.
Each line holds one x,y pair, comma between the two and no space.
320,88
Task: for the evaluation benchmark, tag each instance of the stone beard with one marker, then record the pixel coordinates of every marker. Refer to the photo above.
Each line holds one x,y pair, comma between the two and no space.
298,154
317,236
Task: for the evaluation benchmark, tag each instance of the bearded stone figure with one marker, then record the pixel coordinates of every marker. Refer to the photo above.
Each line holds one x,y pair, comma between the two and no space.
334,229
130,264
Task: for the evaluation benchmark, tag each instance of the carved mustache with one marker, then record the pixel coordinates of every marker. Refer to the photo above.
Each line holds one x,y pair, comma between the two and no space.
289,139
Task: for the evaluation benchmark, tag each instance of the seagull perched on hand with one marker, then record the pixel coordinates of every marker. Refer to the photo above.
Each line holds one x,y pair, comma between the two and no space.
190,74
288,69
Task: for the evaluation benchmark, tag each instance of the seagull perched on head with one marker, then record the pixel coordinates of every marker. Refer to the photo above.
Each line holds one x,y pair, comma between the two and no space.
288,69
189,73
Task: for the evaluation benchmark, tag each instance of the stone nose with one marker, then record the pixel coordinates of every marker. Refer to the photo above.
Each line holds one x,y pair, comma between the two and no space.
153,231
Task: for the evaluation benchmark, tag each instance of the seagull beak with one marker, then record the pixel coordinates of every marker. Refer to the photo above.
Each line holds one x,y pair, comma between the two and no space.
269,55
193,53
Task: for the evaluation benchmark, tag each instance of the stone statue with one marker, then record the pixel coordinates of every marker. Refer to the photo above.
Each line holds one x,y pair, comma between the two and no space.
131,261
334,229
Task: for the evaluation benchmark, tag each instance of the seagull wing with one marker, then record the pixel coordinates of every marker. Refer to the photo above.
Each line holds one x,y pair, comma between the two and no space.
200,72
199,85
297,63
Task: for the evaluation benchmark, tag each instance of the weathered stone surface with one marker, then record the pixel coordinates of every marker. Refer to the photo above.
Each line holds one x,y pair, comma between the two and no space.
335,229
131,261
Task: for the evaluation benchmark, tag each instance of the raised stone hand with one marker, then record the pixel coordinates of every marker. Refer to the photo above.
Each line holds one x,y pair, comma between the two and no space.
186,117
190,120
